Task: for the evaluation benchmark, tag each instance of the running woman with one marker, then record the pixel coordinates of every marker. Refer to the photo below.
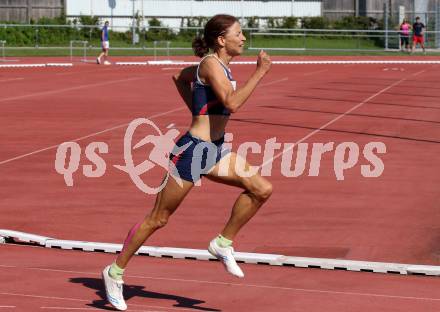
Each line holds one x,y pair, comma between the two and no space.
105,45
405,27
418,28
210,94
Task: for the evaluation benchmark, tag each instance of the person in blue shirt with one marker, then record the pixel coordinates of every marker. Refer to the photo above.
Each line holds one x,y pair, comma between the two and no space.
105,44
418,28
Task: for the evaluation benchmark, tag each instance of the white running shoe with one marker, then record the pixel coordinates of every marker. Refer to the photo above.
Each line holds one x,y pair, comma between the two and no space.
107,63
225,255
113,290
98,60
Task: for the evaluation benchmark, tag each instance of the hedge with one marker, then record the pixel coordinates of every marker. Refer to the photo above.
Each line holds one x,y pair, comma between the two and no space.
32,36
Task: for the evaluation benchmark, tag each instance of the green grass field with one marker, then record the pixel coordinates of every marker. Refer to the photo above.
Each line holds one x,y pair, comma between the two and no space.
93,53
313,46
298,42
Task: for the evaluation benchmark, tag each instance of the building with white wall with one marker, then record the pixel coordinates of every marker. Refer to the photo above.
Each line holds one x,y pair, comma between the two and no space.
171,12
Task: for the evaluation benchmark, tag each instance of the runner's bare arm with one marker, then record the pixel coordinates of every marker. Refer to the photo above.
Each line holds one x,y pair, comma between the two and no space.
183,82
233,100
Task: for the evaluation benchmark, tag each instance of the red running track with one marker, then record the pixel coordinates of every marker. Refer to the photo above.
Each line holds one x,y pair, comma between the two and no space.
53,280
392,218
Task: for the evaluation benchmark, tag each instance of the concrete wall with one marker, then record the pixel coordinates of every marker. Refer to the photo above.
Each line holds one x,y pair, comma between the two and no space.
25,10
171,12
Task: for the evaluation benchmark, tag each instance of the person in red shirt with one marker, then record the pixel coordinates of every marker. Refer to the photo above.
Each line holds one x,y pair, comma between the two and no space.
418,38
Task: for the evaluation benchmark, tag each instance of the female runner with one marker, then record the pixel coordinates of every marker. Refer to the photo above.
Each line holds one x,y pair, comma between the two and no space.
210,94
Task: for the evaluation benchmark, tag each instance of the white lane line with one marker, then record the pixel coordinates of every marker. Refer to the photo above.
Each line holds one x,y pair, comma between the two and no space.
315,72
293,289
419,72
110,129
11,79
273,82
7,307
86,300
269,161
287,78
42,297
99,84
87,136
306,290
84,72
94,309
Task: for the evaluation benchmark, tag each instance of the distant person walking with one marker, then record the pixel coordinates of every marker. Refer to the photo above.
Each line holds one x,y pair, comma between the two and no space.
418,36
105,45
405,27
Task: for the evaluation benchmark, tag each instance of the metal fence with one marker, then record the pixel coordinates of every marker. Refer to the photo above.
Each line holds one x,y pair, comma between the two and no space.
175,41
334,40
392,19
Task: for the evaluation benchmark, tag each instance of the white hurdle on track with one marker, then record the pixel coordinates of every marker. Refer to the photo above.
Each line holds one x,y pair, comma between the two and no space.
83,47
36,65
177,63
3,54
328,62
9,236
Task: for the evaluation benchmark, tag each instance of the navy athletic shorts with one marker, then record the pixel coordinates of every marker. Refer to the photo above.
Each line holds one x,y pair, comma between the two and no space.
193,157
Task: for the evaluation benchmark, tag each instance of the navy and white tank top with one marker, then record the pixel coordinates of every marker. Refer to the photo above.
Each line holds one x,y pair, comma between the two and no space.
204,100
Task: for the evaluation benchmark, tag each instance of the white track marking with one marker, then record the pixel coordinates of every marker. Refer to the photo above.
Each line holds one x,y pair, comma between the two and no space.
315,72
287,78
419,72
11,79
293,289
41,297
106,130
86,136
338,117
84,72
97,309
274,82
13,98
316,62
306,290
84,300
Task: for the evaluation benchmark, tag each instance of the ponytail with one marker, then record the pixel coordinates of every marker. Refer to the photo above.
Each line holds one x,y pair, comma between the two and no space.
200,47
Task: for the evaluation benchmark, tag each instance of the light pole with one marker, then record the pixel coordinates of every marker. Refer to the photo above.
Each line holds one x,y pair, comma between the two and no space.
437,23
142,9
242,13
112,4
386,10
133,32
